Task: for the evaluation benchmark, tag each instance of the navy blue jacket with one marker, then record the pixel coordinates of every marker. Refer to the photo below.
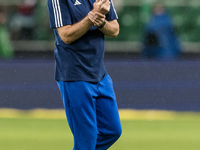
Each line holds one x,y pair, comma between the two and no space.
160,40
81,60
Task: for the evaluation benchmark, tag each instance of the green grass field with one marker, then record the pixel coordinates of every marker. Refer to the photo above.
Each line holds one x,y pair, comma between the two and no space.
142,130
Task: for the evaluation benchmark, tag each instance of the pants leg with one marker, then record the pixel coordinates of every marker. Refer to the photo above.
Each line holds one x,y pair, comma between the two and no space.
108,121
92,113
80,107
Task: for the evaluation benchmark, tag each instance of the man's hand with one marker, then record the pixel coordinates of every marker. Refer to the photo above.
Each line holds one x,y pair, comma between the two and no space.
96,18
97,14
102,6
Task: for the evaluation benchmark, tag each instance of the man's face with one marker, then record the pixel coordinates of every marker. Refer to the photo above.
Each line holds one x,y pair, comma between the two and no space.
158,9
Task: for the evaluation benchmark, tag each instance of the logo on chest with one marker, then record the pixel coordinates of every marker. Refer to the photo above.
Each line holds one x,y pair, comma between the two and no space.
77,2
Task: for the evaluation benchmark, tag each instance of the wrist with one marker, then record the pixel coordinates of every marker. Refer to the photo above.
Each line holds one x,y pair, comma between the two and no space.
102,25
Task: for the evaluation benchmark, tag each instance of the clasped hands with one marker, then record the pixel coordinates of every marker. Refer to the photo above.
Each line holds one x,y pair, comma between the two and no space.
97,14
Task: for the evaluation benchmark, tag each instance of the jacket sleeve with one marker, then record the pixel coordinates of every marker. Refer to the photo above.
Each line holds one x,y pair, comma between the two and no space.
59,14
112,14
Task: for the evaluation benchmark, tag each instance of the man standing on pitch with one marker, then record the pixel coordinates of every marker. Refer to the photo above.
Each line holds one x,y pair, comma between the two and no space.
86,88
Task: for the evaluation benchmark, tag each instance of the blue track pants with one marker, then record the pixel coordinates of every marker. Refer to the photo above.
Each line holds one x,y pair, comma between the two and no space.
92,113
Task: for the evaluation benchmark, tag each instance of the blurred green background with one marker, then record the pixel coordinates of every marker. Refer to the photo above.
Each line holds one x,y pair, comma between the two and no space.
133,15
165,131
179,133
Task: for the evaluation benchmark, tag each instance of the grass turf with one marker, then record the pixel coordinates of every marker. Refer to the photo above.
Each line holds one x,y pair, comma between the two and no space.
167,131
